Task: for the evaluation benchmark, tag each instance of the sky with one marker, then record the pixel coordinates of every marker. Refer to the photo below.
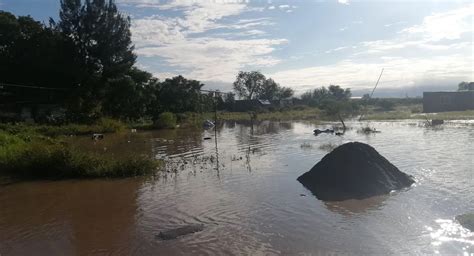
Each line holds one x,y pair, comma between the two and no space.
421,45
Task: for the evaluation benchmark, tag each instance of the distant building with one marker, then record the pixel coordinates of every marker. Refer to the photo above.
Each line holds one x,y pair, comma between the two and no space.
447,101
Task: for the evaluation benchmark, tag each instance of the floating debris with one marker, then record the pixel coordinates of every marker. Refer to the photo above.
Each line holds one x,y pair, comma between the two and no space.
181,231
317,131
437,122
368,130
97,136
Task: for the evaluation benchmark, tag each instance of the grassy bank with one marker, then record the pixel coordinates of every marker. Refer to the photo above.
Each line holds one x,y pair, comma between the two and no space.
308,113
406,114
32,156
284,115
104,125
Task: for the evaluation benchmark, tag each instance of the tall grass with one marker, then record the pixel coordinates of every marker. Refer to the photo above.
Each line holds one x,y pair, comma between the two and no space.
288,114
37,156
104,125
166,120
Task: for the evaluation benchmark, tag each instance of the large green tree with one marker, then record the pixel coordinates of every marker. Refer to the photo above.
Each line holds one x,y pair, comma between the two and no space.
318,96
254,85
248,85
179,95
33,54
102,40
101,34
133,95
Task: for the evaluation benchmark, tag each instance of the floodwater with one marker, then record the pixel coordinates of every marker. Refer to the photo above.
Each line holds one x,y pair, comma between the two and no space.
246,195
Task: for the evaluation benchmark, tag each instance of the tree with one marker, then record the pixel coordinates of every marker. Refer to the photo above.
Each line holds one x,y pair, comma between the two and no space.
248,85
285,93
272,91
269,90
179,95
229,98
254,85
101,34
465,86
318,95
103,48
366,97
130,99
35,55
336,92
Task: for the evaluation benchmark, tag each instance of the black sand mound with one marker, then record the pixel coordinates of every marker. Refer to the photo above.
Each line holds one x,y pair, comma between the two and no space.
466,220
353,171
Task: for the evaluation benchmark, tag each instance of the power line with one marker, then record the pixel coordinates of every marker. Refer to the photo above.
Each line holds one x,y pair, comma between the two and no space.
372,93
30,87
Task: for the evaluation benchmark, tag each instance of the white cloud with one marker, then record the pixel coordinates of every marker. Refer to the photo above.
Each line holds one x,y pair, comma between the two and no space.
429,51
337,49
395,24
189,44
272,7
156,30
343,1
212,59
210,56
287,8
446,25
399,72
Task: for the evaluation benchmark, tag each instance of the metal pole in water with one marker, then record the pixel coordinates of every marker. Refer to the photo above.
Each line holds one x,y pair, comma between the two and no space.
215,131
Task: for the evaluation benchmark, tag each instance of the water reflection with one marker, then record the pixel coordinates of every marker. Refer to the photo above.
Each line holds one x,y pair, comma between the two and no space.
70,217
252,204
448,230
354,206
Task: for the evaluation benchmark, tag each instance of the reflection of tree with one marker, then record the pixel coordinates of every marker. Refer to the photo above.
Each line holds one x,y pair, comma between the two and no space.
177,141
265,127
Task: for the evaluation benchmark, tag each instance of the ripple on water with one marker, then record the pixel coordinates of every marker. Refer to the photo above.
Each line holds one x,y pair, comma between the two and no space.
250,203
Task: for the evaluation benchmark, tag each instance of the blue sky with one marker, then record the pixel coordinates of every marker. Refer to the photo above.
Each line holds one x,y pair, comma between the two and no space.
300,44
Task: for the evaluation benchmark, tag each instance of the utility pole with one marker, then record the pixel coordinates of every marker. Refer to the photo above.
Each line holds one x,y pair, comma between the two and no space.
372,93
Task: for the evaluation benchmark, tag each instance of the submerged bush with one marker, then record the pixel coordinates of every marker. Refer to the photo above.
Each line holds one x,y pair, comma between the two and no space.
42,157
166,120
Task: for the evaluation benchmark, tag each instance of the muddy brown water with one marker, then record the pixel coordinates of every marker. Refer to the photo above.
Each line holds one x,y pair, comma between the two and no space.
247,196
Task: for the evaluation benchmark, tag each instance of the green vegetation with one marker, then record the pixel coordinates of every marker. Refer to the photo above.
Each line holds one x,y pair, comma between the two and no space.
166,120
291,114
413,112
466,86
30,155
254,85
83,64
103,125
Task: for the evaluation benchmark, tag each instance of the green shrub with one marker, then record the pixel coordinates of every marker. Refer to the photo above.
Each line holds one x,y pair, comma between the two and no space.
42,157
110,125
166,120
104,125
